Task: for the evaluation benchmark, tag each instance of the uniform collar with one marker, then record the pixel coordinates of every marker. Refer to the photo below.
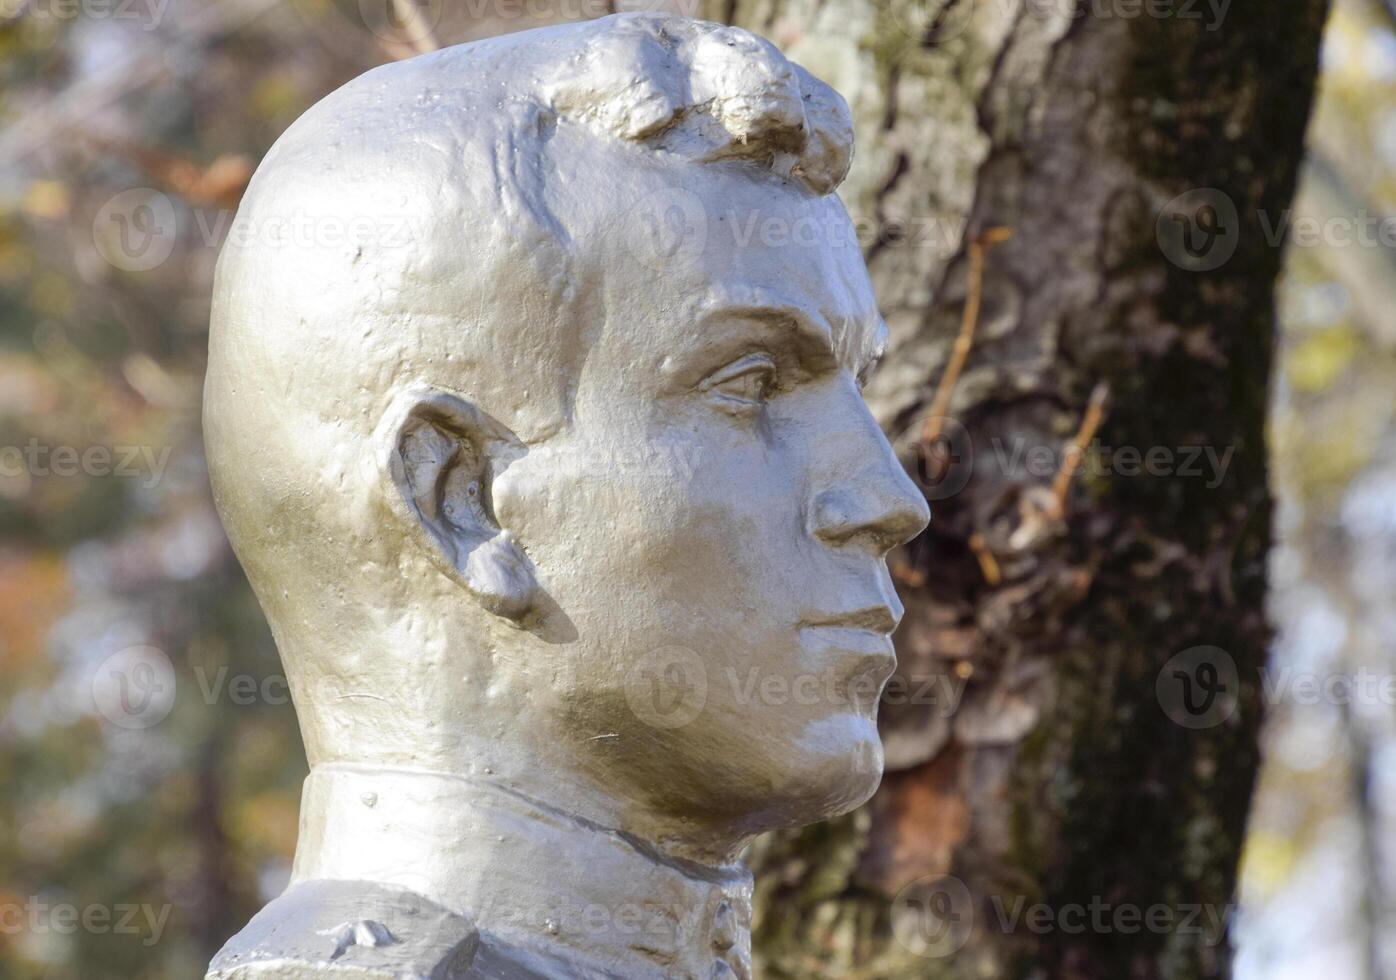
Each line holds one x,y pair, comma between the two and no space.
601,902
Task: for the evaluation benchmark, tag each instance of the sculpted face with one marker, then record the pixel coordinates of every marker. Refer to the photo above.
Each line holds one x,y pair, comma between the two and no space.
714,521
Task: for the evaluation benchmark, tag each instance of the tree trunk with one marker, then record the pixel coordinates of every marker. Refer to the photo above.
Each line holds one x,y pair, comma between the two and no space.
1066,795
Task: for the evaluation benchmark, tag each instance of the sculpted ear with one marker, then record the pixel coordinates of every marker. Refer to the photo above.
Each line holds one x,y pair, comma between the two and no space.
442,454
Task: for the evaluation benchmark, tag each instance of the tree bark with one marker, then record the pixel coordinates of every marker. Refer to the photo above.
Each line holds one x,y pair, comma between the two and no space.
1035,750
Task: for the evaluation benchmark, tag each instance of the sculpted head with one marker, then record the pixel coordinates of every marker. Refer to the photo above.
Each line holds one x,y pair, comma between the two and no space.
533,414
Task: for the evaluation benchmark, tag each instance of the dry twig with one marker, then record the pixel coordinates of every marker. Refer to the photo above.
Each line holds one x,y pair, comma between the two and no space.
988,564
964,341
1076,449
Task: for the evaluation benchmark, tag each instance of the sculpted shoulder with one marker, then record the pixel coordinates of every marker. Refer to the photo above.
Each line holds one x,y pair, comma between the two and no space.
358,929
361,930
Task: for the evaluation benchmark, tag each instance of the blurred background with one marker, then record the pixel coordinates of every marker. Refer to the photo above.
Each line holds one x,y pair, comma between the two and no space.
149,759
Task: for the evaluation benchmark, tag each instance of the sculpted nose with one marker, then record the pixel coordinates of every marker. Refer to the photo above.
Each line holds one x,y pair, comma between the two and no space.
876,512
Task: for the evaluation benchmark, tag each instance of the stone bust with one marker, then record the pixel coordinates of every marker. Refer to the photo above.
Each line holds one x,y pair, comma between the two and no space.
533,413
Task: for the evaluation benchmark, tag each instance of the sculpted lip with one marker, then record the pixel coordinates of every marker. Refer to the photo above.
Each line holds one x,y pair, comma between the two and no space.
858,647
876,619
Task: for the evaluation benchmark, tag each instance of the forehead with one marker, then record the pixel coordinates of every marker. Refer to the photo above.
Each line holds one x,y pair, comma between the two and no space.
692,248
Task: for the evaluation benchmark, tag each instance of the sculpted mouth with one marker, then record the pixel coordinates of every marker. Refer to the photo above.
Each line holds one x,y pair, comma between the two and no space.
856,651
877,619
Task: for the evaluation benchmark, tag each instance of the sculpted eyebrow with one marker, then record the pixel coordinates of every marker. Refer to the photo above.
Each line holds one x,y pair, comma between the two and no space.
809,333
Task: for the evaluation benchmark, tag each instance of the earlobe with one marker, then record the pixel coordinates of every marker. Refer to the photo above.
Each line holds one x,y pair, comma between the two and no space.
439,454
499,574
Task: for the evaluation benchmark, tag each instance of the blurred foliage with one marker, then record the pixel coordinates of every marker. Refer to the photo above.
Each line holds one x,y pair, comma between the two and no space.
1321,855
190,822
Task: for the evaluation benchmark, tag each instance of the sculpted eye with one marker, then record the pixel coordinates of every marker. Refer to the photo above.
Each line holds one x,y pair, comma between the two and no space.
745,384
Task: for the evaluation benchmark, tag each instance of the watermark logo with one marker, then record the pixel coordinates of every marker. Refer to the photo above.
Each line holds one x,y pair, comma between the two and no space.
933,916
134,688
37,459
1199,687
932,22
1021,456
1363,688
1198,231
146,13
688,8
135,230
37,916
409,23
668,687
666,226
940,694
1101,917
403,27
1363,229
944,458
1210,14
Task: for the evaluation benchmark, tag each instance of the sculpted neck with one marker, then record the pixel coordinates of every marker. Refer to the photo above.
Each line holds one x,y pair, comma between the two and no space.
603,902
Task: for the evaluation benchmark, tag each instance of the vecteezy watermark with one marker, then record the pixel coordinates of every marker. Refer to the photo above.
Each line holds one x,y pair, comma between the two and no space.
536,10
1199,687
944,457
134,688
1363,687
1019,455
935,916
1360,230
241,689
941,693
933,22
37,459
302,229
1200,230
666,226
36,916
668,687
642,924
1101,917
420,24
1210,14
625,464
137,230
147,13
673,224
222,684
404,22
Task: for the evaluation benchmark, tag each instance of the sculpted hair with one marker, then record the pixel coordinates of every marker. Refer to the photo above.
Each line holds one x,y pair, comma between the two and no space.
708,93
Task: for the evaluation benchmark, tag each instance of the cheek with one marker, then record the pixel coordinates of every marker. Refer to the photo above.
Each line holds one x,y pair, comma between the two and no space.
709,519
663,523
582,508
